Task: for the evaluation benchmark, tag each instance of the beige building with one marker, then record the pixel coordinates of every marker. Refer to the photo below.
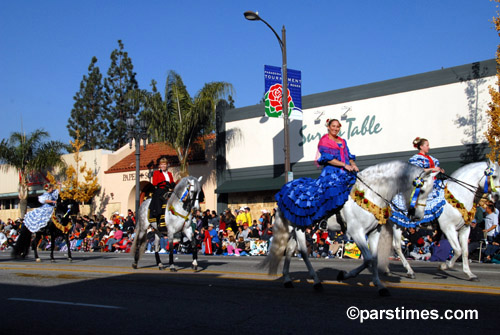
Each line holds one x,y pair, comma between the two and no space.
116,175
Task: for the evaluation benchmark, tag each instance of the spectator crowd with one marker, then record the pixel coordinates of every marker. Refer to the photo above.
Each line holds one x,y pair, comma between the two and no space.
236,233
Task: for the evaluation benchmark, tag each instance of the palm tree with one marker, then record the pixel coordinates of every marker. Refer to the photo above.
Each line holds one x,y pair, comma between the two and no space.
29,154
179,119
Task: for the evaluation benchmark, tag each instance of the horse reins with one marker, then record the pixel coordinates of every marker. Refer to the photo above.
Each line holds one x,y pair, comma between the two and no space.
471,188
388,202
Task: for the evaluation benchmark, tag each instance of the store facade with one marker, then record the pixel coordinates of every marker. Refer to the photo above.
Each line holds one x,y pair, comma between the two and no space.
379,121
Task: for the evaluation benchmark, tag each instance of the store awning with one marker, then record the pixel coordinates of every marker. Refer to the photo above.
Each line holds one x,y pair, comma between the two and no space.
16,194
249,185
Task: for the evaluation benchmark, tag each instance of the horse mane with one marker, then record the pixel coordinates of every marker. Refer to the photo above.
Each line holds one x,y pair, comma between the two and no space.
179,188
389,178
465,170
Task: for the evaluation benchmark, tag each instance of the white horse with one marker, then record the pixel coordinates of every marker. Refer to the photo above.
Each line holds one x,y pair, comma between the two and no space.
375,184
467,186
178,215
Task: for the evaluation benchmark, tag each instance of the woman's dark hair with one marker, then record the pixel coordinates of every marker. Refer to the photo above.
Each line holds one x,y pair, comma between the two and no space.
329,122
418,141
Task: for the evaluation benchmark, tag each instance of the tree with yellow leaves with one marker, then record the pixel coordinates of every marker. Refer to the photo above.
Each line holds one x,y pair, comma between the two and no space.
493,132
73,187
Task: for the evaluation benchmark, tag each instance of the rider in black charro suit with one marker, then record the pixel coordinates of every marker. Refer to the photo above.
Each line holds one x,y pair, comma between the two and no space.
163,181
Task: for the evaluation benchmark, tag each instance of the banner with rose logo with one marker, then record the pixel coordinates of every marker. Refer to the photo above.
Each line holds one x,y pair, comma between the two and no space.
273,88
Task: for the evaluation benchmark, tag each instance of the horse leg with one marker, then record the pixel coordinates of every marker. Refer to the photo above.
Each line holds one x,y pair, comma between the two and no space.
290,249
301,244
38,235
194,265
141,232
53,246
373,238
452,236
137,256
139,242
368,261
66,237
189,233
359,239
171,251
463,236
171,255
396,243
157,252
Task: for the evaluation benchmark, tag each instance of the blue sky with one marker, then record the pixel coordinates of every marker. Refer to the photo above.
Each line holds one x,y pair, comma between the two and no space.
46,46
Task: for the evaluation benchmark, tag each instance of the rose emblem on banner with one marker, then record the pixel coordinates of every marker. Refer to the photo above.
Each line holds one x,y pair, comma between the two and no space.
272,101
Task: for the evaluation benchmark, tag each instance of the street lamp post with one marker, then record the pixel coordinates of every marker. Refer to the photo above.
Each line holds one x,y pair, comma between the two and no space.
253,16
137,132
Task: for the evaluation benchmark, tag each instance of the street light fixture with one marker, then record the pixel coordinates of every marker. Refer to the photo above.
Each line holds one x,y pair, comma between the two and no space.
254,16
137,132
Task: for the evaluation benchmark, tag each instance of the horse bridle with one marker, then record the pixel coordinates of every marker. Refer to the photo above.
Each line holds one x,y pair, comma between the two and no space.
473,189
187,193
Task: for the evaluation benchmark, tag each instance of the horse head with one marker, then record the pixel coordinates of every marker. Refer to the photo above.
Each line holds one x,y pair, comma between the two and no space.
491,184
65,209
189,191
422,187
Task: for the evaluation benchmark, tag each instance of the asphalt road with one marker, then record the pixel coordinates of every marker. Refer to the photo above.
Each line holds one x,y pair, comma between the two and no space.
101,293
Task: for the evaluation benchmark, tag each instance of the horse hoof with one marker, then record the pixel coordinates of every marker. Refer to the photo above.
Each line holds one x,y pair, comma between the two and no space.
384,292
38,260
70,260
134,266
443,267
288,284
411,275
160,266
474,279
194,267
318,287
173,270
341,275
52,260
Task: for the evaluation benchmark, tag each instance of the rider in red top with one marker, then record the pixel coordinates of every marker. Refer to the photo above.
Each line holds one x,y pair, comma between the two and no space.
164,183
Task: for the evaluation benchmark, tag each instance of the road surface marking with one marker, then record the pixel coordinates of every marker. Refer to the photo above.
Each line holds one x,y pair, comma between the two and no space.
65,303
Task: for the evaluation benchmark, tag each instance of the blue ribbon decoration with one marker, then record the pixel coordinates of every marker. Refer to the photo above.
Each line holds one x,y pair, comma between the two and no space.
488,173
184,194
414,196
492,185
417,184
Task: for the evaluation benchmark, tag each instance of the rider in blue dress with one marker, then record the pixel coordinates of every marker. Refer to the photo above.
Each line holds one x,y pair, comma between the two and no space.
435,201
39,217
306,201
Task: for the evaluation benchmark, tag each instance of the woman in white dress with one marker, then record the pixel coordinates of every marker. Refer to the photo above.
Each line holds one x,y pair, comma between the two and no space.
39,217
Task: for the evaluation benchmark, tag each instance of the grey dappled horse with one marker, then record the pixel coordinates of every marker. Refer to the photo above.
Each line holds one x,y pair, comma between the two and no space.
378,182
467,185
178,215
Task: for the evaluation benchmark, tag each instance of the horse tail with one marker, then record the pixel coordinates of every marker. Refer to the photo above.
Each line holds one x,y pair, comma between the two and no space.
22,245
384,247
279,244
140,230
